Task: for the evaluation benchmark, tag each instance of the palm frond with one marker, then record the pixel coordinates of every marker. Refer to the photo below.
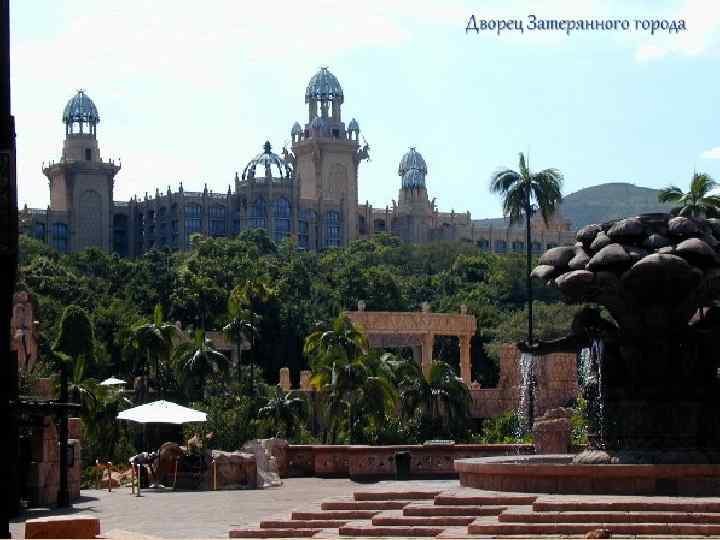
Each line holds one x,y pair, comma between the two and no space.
502,179
670,194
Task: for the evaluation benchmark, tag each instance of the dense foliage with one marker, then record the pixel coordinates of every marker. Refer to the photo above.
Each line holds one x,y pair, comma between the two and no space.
274,296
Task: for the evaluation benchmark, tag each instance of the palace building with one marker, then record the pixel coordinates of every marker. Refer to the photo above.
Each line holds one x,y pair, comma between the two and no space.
308,192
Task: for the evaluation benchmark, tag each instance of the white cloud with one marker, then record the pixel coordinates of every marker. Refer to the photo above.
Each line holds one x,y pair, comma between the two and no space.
702,18
713,153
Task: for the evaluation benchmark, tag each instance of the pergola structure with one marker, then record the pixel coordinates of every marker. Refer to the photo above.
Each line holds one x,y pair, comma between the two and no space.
417,330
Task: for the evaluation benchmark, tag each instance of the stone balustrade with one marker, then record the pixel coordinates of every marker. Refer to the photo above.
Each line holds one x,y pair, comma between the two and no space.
361,461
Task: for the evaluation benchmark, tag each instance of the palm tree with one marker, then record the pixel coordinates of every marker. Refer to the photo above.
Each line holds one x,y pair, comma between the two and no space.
440,399
75,340
342,338
352,382
284,408
245,304
697,202
519,191
195,361
243,325
156,339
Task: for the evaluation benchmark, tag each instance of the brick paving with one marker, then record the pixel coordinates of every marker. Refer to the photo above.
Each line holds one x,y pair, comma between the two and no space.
332,508
208,514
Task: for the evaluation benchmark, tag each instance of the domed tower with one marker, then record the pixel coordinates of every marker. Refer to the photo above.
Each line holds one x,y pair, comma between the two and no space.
414,211
81,183
327,156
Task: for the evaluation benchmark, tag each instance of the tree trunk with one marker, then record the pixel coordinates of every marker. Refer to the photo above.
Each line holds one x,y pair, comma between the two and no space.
528,253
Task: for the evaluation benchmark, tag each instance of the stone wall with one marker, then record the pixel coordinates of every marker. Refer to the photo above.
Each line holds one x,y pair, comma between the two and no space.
556,384
43,474
360,461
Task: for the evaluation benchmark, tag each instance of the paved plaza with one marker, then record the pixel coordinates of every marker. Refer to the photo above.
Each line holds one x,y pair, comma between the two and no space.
208,514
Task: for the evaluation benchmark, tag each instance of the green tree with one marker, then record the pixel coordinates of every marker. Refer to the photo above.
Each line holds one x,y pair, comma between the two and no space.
354,384
285,410
519,191
438,401
75,340
698,202
195,362
156,338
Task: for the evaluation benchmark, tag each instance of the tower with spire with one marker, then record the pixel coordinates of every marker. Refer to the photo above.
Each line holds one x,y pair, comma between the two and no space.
81,183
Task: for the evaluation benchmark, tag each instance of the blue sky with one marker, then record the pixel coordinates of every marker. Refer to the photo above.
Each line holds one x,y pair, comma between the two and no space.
189,91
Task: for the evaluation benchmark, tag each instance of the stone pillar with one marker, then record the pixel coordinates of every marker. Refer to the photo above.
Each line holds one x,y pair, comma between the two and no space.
305,376
427,352
465,359
285,379
551,432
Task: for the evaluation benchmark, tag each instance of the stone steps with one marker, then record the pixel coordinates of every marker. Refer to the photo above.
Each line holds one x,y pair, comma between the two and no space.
405,532
447,510
504,528
335,515
395,495
302,524
272,533
602,516
363,505
421,521
627,505
451,499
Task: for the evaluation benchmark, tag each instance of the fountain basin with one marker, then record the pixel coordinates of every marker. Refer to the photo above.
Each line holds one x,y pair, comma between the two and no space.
558,474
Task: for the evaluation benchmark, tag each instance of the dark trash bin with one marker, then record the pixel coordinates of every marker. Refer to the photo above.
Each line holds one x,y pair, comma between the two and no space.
402,465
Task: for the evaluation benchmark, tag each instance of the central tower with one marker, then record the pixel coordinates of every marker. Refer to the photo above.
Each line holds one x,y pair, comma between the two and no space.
327,156
81,183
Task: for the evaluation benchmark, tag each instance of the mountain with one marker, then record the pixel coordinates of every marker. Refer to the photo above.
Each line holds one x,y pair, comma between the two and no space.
597,204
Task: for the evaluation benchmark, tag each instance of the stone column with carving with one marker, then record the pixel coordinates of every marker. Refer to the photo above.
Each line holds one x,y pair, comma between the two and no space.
465,367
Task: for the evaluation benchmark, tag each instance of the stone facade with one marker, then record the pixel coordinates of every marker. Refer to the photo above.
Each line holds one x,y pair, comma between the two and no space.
417,330
556,384
308,193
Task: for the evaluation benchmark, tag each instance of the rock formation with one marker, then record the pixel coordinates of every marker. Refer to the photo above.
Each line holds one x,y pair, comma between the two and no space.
659,279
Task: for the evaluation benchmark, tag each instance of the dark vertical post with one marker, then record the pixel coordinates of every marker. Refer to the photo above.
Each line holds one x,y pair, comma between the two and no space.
8,262
528,270
528,252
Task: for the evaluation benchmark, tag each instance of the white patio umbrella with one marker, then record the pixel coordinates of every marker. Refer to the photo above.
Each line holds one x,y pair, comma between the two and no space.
162,412
112,381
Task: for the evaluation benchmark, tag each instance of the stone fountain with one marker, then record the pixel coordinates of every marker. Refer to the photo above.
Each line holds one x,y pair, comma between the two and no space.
655,364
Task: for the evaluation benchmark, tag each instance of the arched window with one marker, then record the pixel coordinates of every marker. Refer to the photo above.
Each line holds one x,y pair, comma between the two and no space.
334,235
500,246
281,215
193,219
484,244
537,247
216,220
236,222
518,246
39,231
120,234
379,225
362,225
308,219
257,214
60,236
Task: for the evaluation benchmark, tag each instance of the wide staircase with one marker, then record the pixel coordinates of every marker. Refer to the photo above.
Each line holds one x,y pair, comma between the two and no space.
480,514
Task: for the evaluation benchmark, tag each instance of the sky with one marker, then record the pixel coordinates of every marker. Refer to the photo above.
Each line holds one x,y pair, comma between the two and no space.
189,91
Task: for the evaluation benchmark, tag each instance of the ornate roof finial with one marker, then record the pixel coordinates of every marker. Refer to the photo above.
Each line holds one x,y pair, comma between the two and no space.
267,147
